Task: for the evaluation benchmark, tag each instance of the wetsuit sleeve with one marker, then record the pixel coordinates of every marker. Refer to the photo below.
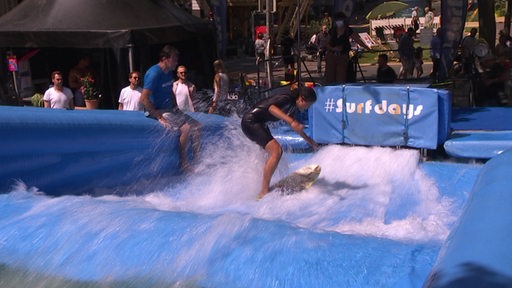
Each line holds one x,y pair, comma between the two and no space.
284,102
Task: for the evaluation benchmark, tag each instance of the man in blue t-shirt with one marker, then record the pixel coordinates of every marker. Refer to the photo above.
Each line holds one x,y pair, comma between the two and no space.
160,102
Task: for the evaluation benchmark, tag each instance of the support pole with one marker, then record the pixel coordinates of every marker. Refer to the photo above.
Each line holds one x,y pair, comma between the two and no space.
268,62
130,57
15,85
298,45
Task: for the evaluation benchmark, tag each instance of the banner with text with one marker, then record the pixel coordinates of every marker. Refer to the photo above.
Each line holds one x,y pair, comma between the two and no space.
375,115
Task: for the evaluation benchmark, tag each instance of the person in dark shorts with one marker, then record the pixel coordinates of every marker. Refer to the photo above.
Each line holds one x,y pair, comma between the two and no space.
272,109
287,43
159,102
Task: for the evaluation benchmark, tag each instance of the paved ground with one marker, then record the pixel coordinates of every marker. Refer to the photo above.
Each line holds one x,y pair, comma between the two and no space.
367,73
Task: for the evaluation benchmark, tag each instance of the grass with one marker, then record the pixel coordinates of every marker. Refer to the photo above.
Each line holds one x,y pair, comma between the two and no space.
369,57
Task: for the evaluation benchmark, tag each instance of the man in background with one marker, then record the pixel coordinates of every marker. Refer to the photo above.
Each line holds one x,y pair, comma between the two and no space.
183,90
58,96
160,103
429,18
322,38
385,73
406,51
467,46
130,95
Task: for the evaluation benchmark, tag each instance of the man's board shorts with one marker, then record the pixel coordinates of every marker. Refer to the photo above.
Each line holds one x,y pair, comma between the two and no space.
408,65
175,117
257,131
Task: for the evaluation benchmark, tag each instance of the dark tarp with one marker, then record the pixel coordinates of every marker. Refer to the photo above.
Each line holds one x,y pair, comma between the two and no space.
98,24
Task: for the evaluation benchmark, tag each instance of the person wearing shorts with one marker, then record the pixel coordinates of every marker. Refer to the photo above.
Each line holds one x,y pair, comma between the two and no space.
406,52
160,103
279,107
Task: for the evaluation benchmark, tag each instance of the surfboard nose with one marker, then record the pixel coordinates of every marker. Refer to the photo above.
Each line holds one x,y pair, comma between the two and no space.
311,169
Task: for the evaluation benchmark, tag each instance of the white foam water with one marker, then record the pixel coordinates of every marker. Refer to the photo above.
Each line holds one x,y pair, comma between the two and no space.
370,191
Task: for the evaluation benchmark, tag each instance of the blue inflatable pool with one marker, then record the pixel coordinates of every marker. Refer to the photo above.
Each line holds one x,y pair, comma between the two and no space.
94,198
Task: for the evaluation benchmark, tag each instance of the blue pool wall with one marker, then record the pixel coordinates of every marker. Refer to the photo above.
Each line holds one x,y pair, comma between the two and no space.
477,252
89,151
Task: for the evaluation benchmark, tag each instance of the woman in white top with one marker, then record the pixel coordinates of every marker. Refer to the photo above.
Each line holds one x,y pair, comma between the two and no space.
220,87
183,90
58,96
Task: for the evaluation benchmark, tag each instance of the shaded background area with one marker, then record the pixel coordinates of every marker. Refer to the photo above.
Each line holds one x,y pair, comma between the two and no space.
114,33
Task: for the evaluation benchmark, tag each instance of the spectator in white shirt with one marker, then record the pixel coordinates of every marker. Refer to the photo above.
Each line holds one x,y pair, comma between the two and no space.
183,90
58,96
429,18
130,95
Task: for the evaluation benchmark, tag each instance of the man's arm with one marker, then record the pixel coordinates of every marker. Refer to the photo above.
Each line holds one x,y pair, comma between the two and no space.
120,104
46,100
144,99
294,124
216,91
274,110
192,89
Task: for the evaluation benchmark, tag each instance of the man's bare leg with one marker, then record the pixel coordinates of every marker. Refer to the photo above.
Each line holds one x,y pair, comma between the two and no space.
274,151
184,129
195,137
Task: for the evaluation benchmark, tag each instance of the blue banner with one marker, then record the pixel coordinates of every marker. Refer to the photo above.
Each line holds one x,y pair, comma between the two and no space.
376,115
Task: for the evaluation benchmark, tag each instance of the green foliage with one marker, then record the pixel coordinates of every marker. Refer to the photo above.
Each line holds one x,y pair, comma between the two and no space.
37,100
500,7
313,28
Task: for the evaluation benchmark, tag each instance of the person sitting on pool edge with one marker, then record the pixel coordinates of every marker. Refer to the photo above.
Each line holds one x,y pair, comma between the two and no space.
272,109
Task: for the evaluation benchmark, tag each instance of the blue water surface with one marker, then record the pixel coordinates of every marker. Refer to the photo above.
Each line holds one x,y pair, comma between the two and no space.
376,217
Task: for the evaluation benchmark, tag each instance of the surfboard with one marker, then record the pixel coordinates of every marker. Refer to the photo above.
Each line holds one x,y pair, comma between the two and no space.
297,181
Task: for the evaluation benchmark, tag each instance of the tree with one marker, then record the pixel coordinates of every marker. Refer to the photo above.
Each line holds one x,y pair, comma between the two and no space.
487,22
508,14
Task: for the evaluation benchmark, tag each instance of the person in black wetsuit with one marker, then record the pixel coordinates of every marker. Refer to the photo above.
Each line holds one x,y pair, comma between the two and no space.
275,108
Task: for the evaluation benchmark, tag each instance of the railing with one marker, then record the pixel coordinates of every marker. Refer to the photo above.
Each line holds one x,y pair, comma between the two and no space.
389,24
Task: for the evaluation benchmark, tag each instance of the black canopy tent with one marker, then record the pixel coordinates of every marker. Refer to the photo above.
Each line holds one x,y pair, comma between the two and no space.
129,32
